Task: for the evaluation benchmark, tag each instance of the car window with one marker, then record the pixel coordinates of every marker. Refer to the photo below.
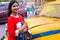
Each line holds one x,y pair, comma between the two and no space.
6,6
3,7
52,10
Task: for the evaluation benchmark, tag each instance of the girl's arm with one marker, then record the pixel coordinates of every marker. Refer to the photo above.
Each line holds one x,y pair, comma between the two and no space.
11,27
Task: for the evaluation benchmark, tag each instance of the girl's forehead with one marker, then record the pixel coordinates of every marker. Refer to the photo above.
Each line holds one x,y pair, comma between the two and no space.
15,4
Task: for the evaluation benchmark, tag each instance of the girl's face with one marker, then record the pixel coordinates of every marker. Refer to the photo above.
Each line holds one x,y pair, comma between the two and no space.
15,8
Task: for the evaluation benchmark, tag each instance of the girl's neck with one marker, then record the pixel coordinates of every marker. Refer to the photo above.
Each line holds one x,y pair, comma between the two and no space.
15,15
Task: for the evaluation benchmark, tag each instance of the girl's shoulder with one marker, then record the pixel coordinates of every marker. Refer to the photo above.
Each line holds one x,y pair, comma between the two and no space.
10,18
21,16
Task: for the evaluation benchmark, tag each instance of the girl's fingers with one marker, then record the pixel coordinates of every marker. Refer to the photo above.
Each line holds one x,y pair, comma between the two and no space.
24,30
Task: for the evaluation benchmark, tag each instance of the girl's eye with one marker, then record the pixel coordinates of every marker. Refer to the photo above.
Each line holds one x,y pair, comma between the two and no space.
15,6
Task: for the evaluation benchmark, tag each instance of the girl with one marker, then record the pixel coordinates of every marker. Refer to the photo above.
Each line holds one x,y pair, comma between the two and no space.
14,28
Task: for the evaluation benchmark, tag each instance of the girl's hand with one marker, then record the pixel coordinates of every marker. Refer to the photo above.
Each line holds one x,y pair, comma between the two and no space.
24,30
24,26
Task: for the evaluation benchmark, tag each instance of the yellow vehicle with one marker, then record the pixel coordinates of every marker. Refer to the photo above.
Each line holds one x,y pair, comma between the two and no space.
47,25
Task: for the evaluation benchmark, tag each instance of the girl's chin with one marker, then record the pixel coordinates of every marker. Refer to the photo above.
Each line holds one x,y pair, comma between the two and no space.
15,12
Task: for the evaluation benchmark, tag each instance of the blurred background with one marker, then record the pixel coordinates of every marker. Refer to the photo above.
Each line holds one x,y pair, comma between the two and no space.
30,7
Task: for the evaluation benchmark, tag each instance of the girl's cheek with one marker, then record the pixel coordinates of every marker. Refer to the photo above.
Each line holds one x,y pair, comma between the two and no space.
13,8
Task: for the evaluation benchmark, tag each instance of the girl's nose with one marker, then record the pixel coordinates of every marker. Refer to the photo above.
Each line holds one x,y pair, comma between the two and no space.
17,7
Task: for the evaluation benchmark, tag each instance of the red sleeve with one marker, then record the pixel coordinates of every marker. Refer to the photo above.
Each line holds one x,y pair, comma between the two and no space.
24,22
11,28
